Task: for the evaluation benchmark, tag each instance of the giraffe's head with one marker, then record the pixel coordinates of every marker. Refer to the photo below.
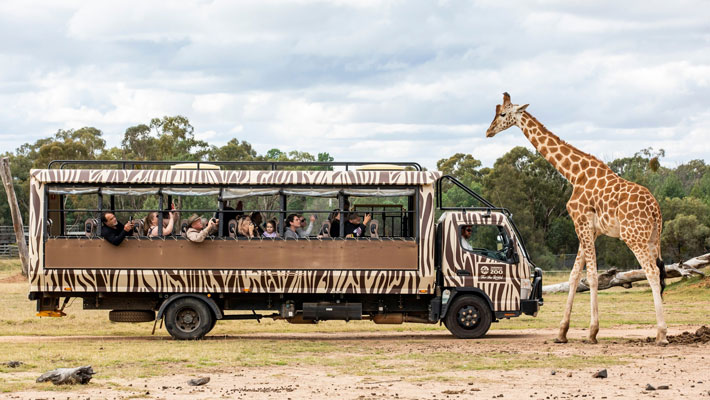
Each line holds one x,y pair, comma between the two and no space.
507,115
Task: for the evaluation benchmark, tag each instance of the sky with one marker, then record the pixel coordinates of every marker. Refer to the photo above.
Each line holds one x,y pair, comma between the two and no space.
364,80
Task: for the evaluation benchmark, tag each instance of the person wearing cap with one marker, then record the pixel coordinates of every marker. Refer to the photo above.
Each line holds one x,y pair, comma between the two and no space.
196,232
465,236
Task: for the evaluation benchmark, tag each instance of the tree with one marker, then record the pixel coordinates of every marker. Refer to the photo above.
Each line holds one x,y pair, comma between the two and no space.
685,237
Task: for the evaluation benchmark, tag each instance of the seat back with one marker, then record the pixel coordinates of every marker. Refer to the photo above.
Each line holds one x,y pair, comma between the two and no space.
183,227
138,228
91,226
325,229
232,228
374,228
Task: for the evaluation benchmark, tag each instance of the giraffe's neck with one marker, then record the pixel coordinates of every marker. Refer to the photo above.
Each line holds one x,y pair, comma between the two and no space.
556,151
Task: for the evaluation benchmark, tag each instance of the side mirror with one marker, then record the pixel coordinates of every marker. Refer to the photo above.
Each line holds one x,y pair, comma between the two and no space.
511,256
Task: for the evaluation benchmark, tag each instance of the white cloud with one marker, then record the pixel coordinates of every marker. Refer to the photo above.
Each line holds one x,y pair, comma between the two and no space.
363,79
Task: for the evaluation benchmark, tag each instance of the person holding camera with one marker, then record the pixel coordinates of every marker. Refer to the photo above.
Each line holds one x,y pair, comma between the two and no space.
196,231
113,231
151,223
246,228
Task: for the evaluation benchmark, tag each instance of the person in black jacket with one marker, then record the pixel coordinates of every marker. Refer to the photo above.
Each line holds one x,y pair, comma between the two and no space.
113,231
355,226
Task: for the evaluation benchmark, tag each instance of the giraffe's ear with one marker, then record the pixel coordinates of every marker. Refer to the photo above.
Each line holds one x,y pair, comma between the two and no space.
522,108
506,99
497,109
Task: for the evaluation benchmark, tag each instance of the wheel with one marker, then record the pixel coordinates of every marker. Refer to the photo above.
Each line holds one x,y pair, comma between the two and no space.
468,317
131,316
188,319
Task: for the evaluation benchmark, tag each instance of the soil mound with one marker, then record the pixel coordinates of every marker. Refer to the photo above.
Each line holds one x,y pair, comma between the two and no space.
702,335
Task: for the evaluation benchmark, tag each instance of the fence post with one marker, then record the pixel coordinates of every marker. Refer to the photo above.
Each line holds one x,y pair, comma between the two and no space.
16,215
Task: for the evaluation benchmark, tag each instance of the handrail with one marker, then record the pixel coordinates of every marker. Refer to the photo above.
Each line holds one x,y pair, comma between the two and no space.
131,164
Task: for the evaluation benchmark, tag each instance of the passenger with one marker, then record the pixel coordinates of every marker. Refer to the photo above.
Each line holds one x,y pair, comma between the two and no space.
228,214
245,228
293,223
307,232
270,231
151,224
196,231
113,231
465,236
257,220
355,226
334,219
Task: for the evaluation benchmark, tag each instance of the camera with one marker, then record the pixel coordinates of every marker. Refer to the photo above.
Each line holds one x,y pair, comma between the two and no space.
213,220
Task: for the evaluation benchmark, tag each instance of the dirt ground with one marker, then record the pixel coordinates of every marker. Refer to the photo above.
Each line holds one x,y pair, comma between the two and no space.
683,366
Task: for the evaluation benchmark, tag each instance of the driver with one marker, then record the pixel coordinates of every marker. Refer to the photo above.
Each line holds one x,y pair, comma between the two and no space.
465,236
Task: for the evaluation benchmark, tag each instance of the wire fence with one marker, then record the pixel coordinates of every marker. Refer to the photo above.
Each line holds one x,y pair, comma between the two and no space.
8,242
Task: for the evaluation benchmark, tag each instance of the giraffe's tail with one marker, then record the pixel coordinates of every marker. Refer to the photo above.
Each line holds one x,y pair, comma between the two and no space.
662,270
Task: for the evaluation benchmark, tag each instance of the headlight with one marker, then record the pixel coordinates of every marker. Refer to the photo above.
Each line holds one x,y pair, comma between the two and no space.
445,296
525,289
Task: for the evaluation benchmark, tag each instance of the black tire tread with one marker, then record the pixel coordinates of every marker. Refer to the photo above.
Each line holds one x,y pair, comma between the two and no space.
451,315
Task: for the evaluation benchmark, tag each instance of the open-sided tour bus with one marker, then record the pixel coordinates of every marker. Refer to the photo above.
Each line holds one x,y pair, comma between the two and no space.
417,260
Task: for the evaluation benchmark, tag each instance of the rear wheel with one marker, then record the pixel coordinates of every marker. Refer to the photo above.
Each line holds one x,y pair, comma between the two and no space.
188,318
468,317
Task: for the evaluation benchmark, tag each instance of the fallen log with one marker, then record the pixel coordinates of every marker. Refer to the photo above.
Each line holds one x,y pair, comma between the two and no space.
613,277
68,376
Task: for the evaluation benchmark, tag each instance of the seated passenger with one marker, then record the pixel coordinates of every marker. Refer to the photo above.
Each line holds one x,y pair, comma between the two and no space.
334,219
228,214
113,231
293,223
355,226
465,236
150,224
270,231
245,228
196,232
304,233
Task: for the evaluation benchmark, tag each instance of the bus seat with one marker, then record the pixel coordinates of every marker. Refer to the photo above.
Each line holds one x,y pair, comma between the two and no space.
374,228
183,227
232,228
138,228
90,227
325,229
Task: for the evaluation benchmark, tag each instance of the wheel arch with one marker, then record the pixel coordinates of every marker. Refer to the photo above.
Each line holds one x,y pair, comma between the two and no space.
207,300
456,292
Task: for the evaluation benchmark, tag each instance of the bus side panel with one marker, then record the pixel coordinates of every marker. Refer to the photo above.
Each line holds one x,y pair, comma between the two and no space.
461,268
36,232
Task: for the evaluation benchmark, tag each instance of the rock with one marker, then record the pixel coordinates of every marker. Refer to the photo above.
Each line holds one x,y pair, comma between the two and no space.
199,381
68,376
663,387
553,372
12,364
569,374
650,387
600,374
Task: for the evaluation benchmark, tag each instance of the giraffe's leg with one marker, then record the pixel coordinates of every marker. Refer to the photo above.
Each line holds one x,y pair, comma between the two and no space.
574,278
644,256
593,281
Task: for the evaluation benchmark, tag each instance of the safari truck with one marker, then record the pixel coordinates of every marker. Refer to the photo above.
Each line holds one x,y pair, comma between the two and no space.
418,260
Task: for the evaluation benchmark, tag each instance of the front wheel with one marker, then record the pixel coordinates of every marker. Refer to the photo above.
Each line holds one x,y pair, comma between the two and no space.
468,317
188,319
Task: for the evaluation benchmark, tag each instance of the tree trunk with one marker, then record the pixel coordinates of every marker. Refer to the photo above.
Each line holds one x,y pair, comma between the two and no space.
16,215
612,277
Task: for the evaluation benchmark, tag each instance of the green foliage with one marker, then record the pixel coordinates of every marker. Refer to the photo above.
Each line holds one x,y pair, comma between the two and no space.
685,236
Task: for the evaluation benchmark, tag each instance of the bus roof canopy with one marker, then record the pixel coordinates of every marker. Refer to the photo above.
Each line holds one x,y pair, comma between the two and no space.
232,177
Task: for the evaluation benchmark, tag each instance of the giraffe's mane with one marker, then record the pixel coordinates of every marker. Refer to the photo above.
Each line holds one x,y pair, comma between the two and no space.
563,142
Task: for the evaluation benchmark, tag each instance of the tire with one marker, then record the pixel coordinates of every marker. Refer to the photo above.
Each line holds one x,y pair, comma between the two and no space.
131,316
188,318
468,317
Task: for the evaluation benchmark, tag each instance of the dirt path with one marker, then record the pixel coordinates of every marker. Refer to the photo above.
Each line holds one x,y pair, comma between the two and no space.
685,369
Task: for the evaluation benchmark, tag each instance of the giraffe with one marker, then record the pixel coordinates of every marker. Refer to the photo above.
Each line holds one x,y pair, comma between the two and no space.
602,203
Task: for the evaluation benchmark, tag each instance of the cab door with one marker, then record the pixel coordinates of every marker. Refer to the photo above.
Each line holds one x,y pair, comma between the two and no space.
480,250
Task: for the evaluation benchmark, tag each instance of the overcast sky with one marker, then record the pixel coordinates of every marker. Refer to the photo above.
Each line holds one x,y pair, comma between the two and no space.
364,79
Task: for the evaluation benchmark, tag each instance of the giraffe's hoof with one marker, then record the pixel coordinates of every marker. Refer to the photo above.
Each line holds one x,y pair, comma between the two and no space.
590,341
662,343
560,340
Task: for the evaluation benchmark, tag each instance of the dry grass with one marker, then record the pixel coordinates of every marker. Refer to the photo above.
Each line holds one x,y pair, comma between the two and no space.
687,303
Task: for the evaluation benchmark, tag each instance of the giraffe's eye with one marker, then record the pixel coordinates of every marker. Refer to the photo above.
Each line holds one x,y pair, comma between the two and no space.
502,114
